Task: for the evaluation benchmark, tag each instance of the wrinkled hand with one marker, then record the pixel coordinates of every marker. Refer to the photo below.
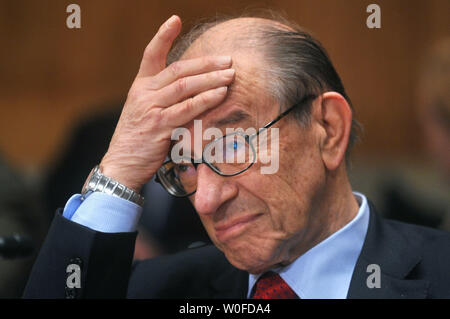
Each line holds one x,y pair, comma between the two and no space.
160,100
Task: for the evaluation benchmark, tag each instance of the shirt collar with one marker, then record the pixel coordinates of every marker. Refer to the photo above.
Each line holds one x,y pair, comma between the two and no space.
325,271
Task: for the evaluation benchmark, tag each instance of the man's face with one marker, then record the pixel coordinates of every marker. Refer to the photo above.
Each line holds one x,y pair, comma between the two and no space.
260,220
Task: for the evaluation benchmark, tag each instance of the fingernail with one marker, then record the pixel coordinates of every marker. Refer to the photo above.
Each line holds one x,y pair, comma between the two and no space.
228,73
222,90
171,21
224,60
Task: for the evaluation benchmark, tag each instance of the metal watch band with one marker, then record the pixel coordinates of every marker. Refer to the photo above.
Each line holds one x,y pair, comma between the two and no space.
100,183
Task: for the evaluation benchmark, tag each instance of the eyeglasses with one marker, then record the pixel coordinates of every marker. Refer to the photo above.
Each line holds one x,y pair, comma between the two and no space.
229,155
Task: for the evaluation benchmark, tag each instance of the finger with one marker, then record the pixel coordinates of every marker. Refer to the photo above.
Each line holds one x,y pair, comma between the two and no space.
186,111
155,54
192,85
180,69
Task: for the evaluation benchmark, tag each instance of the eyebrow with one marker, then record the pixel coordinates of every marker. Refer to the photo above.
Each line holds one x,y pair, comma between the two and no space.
232,118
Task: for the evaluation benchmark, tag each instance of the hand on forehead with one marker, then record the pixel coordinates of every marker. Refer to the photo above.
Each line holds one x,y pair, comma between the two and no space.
250,89
248,101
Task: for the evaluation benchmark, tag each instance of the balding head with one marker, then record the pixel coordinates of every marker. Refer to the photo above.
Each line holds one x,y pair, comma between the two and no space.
245,33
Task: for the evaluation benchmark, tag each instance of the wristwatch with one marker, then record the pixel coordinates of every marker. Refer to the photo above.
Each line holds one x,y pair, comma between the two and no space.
97,182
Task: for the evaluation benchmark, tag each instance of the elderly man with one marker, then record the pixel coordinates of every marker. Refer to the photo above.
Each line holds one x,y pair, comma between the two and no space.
297,231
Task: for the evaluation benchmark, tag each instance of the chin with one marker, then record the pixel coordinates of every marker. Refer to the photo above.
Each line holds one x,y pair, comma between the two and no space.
249,257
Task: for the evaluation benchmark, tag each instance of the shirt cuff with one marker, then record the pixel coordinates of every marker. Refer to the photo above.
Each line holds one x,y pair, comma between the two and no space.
103,212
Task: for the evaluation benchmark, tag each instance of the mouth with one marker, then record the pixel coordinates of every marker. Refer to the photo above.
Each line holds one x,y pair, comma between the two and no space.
235,227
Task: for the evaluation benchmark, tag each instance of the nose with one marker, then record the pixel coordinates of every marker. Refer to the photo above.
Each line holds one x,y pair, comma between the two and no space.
212,190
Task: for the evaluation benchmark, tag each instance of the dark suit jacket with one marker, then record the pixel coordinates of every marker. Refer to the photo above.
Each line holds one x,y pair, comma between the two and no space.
414,263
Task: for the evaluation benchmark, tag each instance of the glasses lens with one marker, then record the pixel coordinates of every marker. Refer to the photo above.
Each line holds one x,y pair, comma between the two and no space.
178,179
230,154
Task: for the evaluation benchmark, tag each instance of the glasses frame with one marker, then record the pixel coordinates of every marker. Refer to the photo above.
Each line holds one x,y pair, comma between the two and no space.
248,139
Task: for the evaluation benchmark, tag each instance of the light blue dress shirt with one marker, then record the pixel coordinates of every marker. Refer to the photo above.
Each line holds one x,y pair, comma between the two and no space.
103,212
323,272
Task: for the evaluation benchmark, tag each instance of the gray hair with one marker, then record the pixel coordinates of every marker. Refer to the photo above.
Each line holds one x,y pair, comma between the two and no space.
299,65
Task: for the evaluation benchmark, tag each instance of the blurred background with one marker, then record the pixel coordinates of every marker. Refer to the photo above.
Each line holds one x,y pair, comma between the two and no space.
61,91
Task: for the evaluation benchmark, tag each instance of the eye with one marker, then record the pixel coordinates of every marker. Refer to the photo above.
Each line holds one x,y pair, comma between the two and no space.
183,170
234,146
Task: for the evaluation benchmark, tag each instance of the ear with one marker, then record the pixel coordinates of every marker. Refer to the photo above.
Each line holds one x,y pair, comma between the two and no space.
334,115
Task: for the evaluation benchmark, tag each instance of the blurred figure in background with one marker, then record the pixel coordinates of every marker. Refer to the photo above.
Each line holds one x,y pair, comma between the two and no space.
434,104
411,202
420,194
434,109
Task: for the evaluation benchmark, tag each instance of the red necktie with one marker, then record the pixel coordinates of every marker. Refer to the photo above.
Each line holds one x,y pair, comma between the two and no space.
271,286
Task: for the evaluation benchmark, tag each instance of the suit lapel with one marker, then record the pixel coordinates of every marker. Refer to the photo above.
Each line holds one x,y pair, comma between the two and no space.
396,255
